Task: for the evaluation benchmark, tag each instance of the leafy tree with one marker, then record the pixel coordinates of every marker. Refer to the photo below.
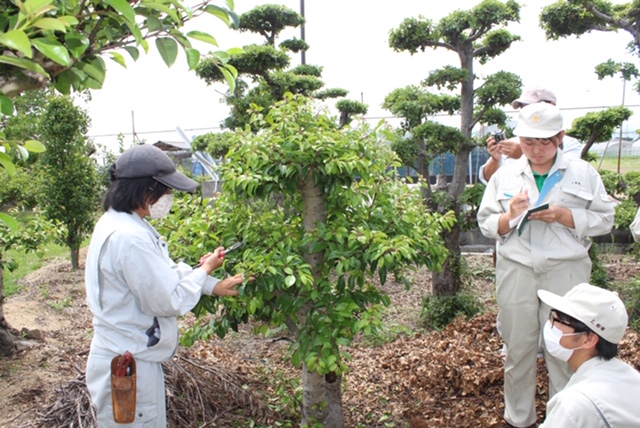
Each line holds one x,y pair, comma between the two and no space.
477,34
20,188
27,238
265,65
70,193
47,42
577,17
567,18
63,43
322,223
596,127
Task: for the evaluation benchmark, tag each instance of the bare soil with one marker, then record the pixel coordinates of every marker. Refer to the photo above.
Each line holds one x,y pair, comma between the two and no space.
417,378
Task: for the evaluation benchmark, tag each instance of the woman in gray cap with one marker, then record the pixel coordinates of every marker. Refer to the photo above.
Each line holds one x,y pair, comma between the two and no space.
136,292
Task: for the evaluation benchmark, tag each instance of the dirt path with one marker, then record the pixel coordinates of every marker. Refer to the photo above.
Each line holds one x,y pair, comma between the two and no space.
445,379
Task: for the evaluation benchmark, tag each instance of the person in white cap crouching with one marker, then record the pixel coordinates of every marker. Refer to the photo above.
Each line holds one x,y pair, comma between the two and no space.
584,328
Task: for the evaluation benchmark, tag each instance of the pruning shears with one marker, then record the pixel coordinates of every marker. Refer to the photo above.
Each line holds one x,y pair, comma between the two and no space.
123,364
223,253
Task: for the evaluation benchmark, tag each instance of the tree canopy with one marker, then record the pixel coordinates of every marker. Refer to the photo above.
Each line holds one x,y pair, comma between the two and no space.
577,17
475,35
63,44
262,69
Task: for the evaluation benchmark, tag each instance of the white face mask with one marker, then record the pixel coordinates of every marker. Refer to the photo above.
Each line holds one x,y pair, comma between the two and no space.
162,206
552,337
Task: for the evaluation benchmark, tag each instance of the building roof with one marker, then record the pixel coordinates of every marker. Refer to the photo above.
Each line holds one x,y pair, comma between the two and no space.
172,146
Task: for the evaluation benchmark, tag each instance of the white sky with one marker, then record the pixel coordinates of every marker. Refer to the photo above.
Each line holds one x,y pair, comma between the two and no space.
349,38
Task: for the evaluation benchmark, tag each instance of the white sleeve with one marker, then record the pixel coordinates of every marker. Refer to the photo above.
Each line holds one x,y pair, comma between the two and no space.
635,227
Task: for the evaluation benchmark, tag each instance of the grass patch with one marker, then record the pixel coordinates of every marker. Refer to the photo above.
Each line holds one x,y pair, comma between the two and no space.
610,163
23,263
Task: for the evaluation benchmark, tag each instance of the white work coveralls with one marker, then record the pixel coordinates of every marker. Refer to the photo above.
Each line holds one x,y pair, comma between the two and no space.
613,386
136,292
547,256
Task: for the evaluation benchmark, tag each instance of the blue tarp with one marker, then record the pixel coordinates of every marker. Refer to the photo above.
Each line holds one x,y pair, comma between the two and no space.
478,157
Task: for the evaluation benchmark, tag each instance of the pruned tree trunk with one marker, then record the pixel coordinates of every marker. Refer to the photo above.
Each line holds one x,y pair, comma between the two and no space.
422,166
448,281
322,399
7,344
321,394
75,258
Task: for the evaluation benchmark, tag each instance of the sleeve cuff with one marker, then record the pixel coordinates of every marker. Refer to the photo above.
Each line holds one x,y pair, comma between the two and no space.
209,285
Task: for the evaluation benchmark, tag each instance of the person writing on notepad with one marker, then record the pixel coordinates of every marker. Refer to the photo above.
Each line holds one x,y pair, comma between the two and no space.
547,252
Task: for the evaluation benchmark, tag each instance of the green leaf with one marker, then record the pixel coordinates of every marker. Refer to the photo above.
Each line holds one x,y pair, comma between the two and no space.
168,49
133,51
162,8
118,58
137,34
68,20
18,40
53,49
77,43
203,37
219,13
92,69
231,79
5,160
154,24
63,82
9,221
24,153
144,43
23,63
50,24
290,280
38,7
193,57
6,105
34,146
124,8
235,51
93,84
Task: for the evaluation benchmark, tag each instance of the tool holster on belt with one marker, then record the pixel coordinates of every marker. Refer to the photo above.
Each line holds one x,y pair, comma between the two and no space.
123,388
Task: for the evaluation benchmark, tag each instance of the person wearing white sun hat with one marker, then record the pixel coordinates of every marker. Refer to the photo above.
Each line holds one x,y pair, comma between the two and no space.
547,252
584,328
508,150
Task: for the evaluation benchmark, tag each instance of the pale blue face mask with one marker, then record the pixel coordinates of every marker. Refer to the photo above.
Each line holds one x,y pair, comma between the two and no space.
552,337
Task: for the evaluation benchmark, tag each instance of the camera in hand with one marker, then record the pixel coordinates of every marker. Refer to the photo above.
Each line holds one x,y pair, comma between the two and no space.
499,136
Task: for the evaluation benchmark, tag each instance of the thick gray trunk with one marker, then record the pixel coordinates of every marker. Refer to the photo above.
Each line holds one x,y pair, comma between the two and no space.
322,399
448,281
314,212
322,395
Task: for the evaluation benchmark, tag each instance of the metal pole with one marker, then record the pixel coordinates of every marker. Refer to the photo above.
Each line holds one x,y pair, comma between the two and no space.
624,84
303,58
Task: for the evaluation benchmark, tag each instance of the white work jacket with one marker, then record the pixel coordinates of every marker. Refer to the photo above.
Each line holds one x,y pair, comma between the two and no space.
545,246
613,386
135,291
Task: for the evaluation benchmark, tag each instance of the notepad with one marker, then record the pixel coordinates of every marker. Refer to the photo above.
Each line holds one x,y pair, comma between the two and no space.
524,218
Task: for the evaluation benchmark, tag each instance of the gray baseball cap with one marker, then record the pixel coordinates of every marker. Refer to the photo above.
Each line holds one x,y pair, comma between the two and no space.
147,160
534,95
